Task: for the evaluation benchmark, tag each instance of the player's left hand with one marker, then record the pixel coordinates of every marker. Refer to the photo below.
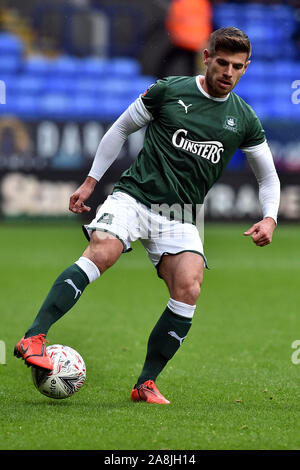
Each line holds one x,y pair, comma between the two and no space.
262,232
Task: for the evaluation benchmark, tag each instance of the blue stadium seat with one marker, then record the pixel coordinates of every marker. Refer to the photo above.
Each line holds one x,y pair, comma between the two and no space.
84,106
65,66
114,87
261,108
26,84
256,30
95,88
87,85
37,66
257,90
282,12
281,108
284,69
93,67
281,90
123,67
24,106
60,84
295,72
288,50
11,44
123,88
9,63
141,84
56,105
62,66
254,12
243,87
269,27
257,69
111,108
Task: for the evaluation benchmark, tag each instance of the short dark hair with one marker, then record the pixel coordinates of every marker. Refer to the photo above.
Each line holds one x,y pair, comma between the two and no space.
230,39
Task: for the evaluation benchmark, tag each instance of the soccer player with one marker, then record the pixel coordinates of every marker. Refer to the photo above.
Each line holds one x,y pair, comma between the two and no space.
194,126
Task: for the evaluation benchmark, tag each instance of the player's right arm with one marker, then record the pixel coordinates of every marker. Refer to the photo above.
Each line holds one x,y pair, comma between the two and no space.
78,198
135,117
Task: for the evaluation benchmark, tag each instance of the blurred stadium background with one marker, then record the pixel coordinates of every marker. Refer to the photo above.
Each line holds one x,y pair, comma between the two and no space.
69,68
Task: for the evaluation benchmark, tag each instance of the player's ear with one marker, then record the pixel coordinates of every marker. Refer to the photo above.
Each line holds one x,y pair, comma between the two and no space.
206,56
246,65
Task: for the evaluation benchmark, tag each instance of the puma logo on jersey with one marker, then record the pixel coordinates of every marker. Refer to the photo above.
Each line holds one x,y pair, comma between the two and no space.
175,335
186,107
210,150
71,283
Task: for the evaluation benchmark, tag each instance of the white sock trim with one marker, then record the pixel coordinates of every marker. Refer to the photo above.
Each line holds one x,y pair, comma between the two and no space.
89,268
182,309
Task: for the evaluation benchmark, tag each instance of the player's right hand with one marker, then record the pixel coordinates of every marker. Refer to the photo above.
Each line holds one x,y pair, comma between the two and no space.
77,205
78,198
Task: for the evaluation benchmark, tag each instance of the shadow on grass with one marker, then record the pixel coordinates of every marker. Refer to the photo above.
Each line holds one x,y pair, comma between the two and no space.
69,404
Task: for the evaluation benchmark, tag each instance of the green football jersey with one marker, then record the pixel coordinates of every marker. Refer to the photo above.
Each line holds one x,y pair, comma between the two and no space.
189,142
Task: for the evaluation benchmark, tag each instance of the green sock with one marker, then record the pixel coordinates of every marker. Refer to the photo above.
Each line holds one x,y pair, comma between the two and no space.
63,295
165,339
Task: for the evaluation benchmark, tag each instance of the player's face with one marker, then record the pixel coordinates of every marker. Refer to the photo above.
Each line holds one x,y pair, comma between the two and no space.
224,70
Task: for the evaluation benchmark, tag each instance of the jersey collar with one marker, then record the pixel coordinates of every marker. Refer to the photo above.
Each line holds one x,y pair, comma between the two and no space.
206,94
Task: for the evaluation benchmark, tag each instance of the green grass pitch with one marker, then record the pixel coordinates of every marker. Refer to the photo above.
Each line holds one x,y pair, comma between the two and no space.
232,385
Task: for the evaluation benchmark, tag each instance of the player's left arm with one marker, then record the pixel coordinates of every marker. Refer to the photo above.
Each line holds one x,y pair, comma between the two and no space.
261,162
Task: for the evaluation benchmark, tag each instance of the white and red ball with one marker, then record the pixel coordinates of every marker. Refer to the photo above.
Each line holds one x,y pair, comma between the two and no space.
66,378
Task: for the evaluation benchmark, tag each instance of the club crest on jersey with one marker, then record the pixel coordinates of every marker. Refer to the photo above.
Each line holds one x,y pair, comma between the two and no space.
210,150
230,123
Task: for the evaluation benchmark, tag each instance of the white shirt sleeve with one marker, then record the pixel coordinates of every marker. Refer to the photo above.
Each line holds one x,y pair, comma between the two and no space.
261,162
135,117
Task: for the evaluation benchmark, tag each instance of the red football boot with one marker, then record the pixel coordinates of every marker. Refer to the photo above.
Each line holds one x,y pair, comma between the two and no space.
33,351
148,392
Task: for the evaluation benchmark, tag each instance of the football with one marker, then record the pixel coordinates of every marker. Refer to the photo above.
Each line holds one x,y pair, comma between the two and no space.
66,378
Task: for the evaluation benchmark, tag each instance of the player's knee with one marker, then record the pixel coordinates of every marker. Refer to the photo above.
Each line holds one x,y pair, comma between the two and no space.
188,291
102,260
193,292
103,252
